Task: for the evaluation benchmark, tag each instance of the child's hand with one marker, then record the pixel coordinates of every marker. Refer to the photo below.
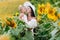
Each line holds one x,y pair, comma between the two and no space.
21,15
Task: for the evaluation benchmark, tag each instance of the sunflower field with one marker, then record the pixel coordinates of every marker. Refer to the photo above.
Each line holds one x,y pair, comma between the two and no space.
48,18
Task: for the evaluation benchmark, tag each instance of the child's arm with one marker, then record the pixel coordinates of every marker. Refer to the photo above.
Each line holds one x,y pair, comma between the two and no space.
20,16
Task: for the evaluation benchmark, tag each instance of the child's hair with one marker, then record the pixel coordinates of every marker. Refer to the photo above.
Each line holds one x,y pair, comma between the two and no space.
19,7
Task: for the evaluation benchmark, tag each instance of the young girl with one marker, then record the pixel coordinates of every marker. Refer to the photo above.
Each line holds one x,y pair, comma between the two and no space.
31,20
22,15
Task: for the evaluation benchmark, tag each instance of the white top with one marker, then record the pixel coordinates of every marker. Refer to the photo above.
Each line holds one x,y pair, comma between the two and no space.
24,18
32,23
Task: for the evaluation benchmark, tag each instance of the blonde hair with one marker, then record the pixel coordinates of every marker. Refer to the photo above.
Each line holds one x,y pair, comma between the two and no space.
19,8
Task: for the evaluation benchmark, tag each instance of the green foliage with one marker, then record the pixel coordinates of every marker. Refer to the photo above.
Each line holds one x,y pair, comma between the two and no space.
43,31
46,26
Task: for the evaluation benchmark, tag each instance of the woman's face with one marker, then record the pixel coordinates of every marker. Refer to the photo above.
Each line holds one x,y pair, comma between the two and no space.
28,10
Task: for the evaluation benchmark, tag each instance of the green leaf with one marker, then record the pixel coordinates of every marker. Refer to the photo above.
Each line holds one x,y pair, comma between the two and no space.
29,35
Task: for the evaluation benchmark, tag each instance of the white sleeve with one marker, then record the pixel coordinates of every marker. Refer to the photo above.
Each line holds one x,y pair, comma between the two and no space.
32,23
24,18
19,16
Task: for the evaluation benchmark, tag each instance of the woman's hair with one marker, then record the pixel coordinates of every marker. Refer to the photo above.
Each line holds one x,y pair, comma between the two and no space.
32,12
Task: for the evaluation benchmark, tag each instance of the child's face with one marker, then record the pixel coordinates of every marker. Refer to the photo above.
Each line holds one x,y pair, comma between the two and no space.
23,9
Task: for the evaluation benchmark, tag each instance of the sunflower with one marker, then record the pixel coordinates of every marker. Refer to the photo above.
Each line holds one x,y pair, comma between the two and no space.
52,17
58,15
55,18
51,14
7,22
4,37
51,11
41,9
48,5
16,14
11,23
12,17
38,18
3,24
58,23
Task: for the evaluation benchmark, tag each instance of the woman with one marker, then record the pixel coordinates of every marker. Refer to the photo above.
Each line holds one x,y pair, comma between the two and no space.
31,20
32,23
